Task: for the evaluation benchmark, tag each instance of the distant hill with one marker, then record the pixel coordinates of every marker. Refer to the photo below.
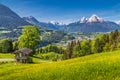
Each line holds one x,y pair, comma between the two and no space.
31,20
49,25
9,19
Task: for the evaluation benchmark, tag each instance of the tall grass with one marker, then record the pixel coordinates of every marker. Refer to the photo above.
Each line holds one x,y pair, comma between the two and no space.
103,66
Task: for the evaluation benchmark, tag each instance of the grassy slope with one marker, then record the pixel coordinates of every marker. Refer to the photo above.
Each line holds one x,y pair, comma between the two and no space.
6,55
103,66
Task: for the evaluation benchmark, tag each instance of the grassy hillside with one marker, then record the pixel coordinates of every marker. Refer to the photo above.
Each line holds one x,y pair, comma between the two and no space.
103,66
6,55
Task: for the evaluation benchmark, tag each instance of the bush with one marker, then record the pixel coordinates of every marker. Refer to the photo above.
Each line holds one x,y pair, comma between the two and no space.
51,56
50,48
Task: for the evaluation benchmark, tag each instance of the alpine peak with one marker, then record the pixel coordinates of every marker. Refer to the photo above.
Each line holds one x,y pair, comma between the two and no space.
83,20
95,18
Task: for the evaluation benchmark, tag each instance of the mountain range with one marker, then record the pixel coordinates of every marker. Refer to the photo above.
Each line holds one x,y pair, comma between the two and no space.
10,20
50,25
92,24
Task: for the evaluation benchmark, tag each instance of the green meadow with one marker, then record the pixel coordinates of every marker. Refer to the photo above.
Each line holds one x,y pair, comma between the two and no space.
101,66
8,55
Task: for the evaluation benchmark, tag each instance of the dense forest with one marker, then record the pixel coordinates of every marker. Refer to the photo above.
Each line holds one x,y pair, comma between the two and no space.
103,43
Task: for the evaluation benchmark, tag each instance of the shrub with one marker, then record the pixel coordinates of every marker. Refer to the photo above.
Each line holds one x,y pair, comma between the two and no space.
50,56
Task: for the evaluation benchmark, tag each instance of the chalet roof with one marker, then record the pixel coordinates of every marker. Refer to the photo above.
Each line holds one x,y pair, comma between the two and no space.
24,51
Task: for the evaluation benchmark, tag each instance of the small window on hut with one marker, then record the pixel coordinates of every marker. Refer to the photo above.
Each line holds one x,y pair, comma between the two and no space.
20,54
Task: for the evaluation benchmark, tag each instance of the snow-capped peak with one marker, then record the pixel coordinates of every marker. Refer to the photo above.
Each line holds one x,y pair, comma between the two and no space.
117,22
30,17
83,20
95,18
55,23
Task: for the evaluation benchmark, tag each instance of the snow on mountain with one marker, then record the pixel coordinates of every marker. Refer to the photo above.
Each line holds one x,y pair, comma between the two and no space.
93,24
117,22
95,18
55,23
83,20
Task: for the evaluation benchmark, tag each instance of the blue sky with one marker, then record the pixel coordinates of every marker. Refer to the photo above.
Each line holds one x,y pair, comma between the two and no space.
65,10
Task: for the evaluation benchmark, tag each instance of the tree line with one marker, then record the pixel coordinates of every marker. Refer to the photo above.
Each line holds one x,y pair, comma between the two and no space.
6,46
30,38
103,43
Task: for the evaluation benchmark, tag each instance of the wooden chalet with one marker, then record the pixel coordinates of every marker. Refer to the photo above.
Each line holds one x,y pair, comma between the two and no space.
23,55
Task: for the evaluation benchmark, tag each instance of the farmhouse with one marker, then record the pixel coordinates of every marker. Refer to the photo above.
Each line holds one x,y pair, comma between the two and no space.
23,55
